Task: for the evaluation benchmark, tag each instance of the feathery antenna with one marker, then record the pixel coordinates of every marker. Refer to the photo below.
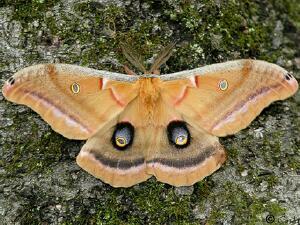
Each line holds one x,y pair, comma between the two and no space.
135,59
162,57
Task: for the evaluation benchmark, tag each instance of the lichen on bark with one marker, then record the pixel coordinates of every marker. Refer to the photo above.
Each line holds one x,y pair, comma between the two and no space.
40,182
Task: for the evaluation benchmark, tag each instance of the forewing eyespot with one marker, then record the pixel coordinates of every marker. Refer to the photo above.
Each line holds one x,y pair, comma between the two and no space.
223,85
75,88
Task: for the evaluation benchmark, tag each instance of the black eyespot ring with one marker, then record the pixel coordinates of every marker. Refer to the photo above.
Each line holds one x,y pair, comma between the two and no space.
178,134
11,80
123,135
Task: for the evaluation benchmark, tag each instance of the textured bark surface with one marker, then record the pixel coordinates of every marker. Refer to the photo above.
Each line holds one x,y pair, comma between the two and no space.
40,182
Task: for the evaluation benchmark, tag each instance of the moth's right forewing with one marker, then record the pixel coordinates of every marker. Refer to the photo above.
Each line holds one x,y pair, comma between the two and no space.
224,98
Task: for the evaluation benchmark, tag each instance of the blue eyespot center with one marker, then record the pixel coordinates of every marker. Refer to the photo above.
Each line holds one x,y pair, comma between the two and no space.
178,134
123,136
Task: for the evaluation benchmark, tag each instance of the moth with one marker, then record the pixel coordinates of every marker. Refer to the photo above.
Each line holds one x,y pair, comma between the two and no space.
138,126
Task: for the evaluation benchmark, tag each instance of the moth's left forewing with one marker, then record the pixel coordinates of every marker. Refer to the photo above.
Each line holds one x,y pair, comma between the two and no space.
74,100
224,98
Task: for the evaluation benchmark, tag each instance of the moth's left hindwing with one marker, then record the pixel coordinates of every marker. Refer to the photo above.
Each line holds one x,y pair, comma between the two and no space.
75,101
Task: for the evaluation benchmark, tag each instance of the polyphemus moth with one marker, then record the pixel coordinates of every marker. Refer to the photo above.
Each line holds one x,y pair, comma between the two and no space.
137,126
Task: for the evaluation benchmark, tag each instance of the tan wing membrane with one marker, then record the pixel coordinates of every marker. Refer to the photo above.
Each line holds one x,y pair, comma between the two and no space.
186,166
119,168
74,102
151,152
226,97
